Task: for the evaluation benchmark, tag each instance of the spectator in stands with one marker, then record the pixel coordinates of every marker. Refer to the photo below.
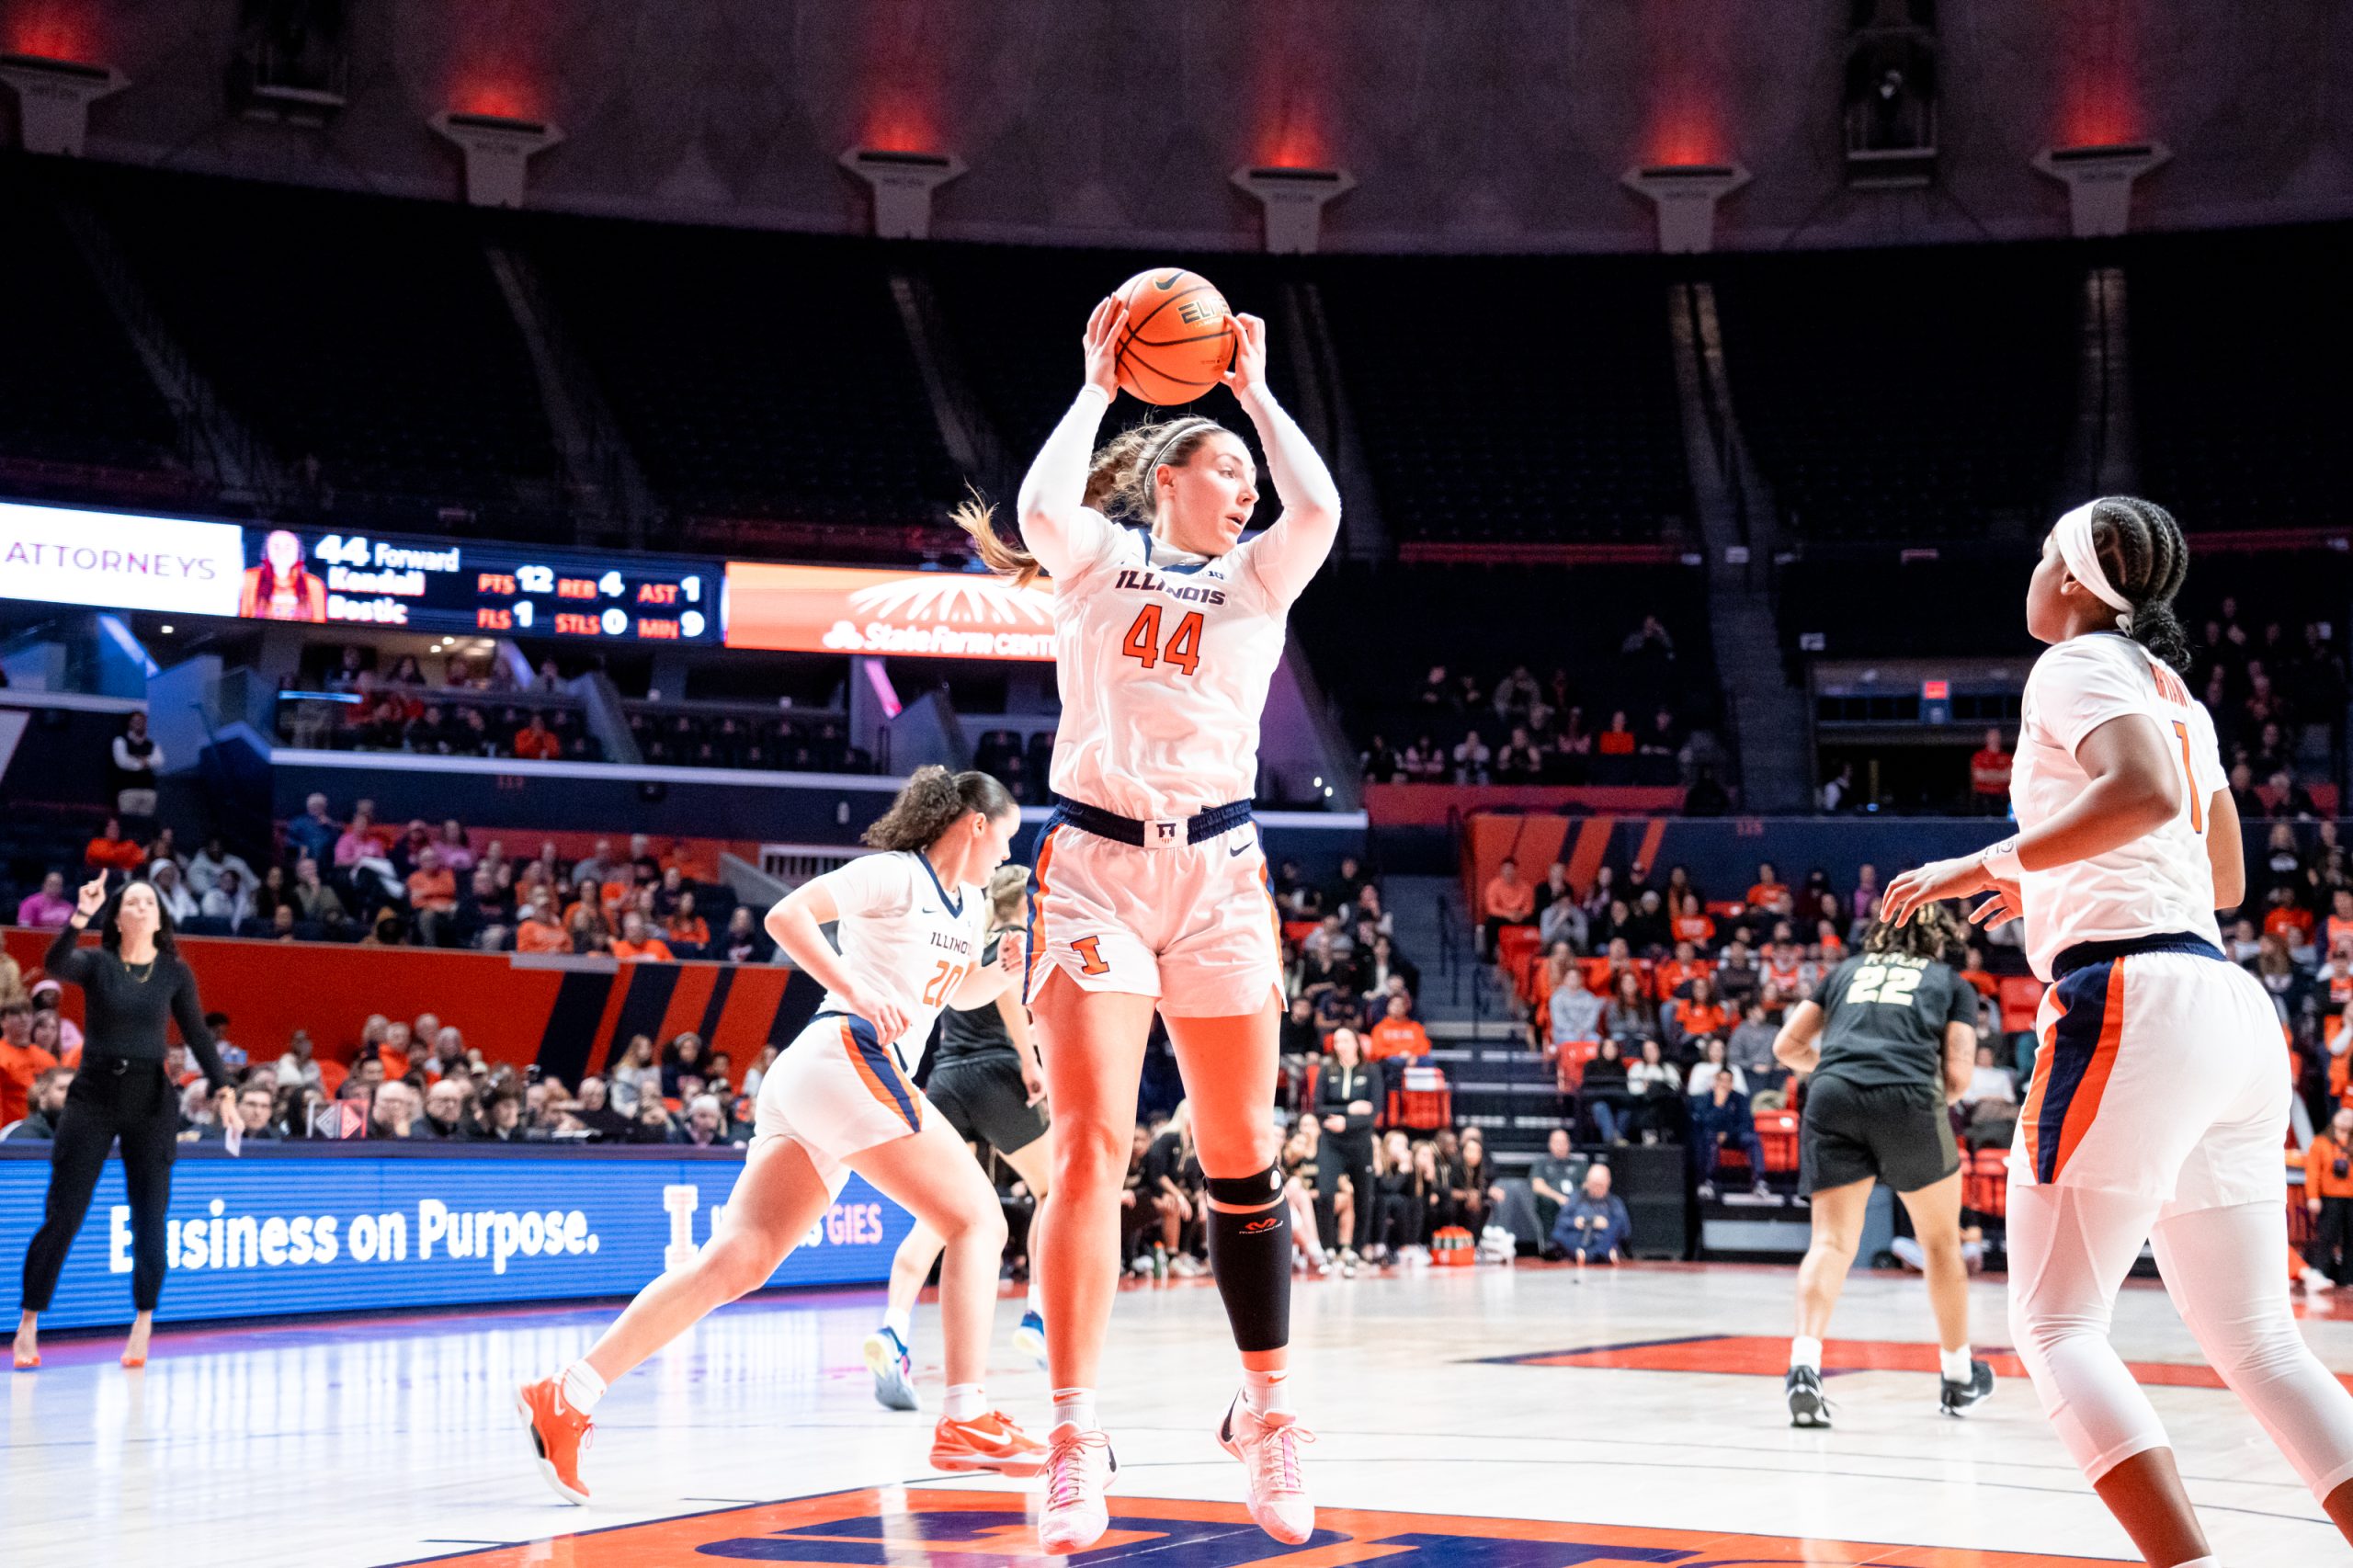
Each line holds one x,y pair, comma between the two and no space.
1654,1086
686,928
137,765
1630,1018
482,918
296,1068
1507,901
2251,806
1596,1228
205,867
172,893
1768,892
47,1104
1519,762
744,941
535,743
314,901
1989,776
1424,762
1472,759
1721,1121
1697,1017
1839,790
1576,1013
1715,1059
110,851
1397,1035
684,1058
47,908
1471,1193
502,1119
1605,1093
432,895
595,1112
1617,741
456,853
1748,1050
707,1124
256,1114
2289,798
21,1062
636,941
52,1031
539,931
231,898
2328,1197
638,1077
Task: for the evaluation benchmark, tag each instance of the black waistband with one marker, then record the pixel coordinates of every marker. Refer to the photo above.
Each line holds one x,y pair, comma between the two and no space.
2085,954
1208,825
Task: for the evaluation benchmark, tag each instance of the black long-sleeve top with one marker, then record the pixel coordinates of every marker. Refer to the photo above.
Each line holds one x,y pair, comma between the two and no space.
1336,1087
125,1015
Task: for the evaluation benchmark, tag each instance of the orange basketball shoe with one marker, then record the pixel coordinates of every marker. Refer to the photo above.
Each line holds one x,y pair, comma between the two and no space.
993,1442
556,1431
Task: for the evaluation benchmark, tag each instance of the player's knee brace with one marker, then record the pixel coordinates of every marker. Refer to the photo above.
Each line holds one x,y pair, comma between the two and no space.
1249,1228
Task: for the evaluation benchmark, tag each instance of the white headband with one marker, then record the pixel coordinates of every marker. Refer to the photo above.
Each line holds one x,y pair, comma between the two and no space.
2073,533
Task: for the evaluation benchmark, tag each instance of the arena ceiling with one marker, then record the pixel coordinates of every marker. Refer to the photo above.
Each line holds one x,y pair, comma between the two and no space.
1468,124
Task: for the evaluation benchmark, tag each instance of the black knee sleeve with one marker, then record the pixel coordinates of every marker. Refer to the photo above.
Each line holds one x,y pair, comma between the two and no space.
1250,1256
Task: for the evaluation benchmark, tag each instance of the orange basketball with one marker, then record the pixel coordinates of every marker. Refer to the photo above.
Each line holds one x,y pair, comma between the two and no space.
1178,339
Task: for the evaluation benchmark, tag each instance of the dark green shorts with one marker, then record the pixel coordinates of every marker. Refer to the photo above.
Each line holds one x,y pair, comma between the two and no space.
1898,1133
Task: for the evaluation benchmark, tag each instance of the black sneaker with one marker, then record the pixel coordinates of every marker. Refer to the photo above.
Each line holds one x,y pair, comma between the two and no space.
1807,1405
1956,1398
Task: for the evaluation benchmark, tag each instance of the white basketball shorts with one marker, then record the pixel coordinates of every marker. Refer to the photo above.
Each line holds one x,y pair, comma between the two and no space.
2161,1072
1194,926
837,1091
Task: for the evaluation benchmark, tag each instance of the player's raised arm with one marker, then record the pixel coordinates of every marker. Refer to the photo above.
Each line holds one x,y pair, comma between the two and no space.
1292,551
1053,492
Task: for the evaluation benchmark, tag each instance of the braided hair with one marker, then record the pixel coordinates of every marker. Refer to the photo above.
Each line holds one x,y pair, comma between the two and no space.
1933,934
2143,551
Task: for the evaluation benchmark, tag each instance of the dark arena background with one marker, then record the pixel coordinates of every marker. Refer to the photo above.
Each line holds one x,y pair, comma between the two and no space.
475,534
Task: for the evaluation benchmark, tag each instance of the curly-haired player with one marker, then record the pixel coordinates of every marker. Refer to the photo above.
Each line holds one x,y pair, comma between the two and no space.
1887,1045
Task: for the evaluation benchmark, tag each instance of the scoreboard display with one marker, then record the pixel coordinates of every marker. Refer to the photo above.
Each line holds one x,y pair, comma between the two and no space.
487,589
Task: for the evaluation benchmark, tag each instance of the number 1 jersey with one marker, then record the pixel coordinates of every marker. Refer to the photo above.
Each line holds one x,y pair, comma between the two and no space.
1163,660
2162,880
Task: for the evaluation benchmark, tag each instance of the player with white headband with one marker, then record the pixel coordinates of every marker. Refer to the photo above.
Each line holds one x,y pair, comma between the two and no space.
2159,1103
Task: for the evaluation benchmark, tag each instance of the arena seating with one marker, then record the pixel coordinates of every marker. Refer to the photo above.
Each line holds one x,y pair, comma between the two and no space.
756,375
1574,618
2239,348
365,332
76,393
1511,398
1905,395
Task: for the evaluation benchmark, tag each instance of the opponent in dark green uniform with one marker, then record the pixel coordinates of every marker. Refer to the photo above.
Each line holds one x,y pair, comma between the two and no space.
1887,1044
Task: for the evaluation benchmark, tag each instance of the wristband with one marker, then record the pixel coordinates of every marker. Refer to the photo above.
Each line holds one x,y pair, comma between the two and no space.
2001,860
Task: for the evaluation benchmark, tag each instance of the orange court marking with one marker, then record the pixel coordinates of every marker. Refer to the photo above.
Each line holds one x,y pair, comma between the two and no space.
993,1530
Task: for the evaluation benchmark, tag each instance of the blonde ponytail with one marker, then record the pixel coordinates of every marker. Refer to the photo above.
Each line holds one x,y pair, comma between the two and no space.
1118,485
999,554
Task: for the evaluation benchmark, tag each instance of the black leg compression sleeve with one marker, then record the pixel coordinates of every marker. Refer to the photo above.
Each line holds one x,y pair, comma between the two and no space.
1250,1255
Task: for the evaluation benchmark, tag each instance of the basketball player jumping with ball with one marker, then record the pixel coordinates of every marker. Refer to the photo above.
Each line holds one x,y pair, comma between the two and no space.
1150,889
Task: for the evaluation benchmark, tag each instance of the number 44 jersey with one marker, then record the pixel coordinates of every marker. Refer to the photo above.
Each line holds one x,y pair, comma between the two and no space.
1164,659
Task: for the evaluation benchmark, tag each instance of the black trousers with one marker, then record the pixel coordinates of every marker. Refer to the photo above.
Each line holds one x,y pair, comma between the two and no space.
1349,1154
2331,1251
110,1098
1403,1221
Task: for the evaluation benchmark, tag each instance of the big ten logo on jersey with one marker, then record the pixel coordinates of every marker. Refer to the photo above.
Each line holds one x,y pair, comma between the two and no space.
1890,978
843,1224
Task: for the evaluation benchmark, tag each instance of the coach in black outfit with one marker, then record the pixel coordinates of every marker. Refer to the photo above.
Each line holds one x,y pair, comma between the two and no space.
132,984
1349,1093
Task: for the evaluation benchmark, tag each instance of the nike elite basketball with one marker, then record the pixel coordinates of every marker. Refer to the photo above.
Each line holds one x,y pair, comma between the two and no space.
1179,337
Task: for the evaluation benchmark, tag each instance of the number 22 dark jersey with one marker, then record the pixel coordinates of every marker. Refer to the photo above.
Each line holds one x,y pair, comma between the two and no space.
1884,1019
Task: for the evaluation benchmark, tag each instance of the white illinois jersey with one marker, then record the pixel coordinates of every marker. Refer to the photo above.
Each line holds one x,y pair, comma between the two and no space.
1163,660
904,937
2162,880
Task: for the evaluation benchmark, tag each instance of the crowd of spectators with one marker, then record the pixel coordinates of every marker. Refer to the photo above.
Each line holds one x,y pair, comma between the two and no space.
411,1080
1627,727
475,710
1659,1005
349,879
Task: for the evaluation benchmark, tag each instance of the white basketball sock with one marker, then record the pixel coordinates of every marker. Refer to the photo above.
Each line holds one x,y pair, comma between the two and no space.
966,1402
1075,1407
1954,1364
582,1387
1805,1352
1267,1394
899,1321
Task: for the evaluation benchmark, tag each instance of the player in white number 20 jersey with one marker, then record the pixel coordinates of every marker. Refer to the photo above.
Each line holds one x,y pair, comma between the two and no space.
2159,1105
1150,887
910,927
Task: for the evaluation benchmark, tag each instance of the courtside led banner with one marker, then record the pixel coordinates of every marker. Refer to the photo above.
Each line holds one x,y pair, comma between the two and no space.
835,610
307,1230
59,555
